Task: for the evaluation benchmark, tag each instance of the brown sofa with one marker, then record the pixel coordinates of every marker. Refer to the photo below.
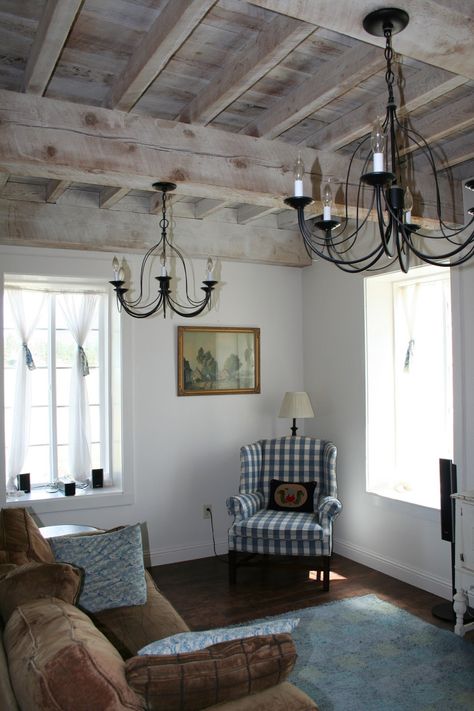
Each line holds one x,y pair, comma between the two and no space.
53,655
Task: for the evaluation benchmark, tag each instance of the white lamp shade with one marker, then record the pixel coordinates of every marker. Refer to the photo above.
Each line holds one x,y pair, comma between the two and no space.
296,405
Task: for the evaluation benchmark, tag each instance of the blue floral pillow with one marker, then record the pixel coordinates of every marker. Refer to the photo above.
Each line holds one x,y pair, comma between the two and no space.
193,641
114,572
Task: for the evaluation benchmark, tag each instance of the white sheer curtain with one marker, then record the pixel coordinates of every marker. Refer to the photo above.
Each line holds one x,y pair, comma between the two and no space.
25,322
79,310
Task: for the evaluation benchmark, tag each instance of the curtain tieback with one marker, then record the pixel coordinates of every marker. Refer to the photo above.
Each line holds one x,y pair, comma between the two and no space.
84,361
409,354
30,364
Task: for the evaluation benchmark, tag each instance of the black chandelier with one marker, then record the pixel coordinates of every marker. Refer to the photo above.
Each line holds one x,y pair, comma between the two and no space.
339,242
136,307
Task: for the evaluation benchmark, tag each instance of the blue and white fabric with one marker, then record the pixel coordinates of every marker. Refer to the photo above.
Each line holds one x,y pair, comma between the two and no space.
114,571
193,641
295,459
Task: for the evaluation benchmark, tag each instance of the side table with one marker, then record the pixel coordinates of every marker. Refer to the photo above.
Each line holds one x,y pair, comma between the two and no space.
464,560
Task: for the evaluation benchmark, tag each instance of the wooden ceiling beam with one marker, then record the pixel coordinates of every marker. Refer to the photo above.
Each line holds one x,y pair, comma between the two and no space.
87,228
3,179
338,76
171,28
55,188
439,33
110,196
205,207
245,67
64,141
249,213
51,35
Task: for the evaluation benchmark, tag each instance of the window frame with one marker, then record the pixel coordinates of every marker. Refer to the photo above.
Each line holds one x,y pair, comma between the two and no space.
379,293
51,265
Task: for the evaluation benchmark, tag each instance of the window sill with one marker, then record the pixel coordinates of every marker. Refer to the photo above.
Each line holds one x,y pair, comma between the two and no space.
46,502
404,502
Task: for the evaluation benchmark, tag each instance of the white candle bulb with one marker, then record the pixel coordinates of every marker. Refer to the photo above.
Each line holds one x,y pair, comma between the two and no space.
378,146
408,205
163,265
327,201
115,267
210,267
299,173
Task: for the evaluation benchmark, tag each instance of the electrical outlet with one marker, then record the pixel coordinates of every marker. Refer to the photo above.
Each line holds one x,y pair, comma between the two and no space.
206,510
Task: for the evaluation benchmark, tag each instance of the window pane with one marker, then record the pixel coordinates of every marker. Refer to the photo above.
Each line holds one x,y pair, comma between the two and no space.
63,461
39,426
63,425
63,384
39,387
37,464
95,456
65,349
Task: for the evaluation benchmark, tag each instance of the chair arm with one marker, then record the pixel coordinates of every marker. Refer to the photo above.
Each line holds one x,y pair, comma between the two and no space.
243,506
328,508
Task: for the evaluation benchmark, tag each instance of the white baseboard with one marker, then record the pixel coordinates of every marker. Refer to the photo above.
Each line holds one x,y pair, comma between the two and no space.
419,578
178,554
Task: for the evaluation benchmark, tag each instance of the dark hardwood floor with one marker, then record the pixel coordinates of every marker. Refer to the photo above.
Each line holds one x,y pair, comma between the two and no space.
200,591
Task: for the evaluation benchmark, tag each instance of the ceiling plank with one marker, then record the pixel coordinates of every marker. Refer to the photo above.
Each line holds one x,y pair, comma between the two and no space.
110,196
429,86
338,77
53,29
87,228
244,68
55,188
439,33
171,28
440,124
65,141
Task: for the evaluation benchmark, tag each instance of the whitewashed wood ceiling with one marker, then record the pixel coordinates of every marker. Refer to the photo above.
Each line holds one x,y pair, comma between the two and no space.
100,98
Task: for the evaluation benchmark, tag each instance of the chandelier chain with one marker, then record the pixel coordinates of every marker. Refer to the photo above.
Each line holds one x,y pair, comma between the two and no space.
389,75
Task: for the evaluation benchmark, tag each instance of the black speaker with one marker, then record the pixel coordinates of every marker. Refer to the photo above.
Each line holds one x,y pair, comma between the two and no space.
97,478
68,488
448,486
23,483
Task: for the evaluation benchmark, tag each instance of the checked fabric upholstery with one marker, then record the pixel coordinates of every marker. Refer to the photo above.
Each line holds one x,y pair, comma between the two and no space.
257,529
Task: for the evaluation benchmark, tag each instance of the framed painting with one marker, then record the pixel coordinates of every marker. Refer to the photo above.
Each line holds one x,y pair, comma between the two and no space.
218,361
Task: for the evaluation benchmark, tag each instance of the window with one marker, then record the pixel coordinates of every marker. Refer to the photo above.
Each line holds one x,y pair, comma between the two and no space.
57,377
409,383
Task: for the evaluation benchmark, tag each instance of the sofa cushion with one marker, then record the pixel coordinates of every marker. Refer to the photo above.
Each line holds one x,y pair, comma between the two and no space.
31,581
21,540
59,660
193,641
222,672
114,572
131,628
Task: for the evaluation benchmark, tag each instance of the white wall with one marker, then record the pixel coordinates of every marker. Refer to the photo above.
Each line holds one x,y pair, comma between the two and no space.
400,539
186,449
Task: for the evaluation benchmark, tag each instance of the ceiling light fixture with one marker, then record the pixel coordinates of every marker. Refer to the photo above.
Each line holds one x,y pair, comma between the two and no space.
398,237
164,248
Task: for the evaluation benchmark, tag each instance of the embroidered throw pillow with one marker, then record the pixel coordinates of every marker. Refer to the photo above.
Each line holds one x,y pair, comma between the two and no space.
221,673
291,495
114,572
193,641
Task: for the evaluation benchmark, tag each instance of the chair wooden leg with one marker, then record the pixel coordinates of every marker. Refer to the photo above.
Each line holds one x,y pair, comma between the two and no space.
326,572
232,558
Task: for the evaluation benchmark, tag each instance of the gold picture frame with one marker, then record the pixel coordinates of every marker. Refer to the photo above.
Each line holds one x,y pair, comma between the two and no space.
218,360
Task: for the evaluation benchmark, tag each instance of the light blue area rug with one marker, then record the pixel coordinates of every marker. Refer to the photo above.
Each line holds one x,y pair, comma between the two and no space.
364,654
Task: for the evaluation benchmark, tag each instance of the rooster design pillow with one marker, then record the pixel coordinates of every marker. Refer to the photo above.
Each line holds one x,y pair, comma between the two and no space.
291,496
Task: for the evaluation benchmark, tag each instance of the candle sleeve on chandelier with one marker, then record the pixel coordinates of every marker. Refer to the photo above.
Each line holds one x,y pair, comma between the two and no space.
408,205
327,201
210,267
378,146
299,173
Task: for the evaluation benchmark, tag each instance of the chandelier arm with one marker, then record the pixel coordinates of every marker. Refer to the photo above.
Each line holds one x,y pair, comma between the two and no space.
133,303
136,311
177,308
186,280
445,255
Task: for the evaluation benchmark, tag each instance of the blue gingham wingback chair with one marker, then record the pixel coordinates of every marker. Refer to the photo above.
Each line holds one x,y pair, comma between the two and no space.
257,529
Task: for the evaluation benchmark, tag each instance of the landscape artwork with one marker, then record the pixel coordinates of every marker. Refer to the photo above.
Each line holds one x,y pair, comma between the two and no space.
218,360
